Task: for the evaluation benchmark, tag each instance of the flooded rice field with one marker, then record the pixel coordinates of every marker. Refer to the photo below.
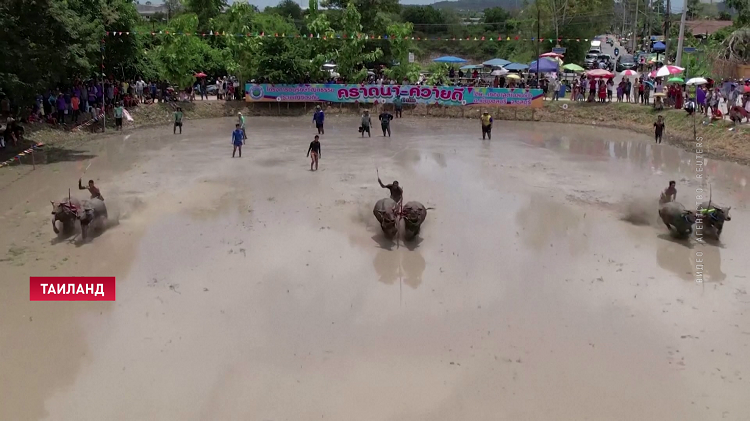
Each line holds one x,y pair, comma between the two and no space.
542,286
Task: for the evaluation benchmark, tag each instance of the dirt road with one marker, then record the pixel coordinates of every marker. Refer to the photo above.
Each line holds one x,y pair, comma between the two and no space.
255,289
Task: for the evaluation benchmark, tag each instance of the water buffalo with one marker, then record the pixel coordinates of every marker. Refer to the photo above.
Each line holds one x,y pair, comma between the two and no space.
414,215
386,213
713,215
65,211
675,215
94,211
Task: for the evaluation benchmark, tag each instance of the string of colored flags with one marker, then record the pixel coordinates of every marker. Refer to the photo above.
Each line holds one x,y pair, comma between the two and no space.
87,123
346,36
24,153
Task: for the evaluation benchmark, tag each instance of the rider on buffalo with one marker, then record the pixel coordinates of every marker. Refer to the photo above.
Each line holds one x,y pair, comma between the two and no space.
95,193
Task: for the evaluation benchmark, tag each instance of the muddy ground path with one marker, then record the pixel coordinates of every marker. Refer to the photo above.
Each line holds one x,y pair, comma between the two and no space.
542,286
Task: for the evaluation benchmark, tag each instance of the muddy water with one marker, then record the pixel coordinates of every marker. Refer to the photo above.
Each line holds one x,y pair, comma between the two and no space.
253,288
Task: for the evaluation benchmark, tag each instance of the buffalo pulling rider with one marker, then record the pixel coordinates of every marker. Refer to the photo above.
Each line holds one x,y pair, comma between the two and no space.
95,193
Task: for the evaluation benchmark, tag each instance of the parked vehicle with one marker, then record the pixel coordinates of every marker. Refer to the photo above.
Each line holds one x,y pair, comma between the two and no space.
607,59
626,62
590,60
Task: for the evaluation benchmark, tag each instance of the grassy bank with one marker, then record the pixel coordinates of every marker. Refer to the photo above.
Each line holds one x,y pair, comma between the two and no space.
719,142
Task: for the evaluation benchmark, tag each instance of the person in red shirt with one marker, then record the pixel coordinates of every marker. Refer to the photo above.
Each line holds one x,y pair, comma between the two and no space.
75,104
602,92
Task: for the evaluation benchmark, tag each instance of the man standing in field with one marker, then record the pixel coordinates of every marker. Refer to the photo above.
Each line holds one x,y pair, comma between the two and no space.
242,125
486,125
366,123
177,120
398,104
385,122
314,149
318,118
237,140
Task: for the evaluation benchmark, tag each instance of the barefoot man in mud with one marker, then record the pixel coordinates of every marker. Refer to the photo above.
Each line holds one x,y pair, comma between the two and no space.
238,139
669,194
95,193
314,149
397,193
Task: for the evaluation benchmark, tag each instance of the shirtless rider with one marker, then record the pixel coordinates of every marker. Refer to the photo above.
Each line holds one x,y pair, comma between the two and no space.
397,192
95,193
669,194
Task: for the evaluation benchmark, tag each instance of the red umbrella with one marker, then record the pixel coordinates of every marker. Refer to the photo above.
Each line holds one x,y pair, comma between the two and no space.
600,73
201,74
552,55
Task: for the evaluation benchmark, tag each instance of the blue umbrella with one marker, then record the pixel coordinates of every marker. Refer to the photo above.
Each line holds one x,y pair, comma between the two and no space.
449,59
496,62
545,66
516,66
659,46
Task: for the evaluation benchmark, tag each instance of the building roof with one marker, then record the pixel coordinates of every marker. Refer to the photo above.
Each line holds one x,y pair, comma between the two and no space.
700,27
150,9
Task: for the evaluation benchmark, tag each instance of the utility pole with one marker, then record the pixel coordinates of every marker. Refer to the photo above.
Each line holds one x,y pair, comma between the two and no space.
647,44
678,61
538,34
636,38
667,15
624,14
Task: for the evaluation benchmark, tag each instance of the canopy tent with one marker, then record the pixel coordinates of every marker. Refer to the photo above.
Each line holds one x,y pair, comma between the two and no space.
545,65
496,62
449,59
472,67
659,46
516,67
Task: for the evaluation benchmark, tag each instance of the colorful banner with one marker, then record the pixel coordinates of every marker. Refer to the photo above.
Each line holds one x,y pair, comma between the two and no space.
410,94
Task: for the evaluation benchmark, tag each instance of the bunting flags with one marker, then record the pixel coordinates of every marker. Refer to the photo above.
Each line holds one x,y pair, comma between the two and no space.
500,38
18,157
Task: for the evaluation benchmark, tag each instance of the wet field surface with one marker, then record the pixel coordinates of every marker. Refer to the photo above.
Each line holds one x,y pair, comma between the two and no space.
253,288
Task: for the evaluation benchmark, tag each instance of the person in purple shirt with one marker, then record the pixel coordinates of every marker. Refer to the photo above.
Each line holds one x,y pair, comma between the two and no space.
700,96
61,107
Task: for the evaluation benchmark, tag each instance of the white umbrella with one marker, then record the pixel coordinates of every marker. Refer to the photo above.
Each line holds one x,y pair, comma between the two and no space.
696,81
499,72
666,71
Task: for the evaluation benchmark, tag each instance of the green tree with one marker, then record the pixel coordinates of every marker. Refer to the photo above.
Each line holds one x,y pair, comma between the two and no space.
180,56
426,19
206,10
288,9
368,10
401,45
498,20
742,7
351,55
695,9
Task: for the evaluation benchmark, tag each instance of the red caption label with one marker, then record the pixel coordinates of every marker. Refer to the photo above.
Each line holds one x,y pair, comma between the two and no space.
72,288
